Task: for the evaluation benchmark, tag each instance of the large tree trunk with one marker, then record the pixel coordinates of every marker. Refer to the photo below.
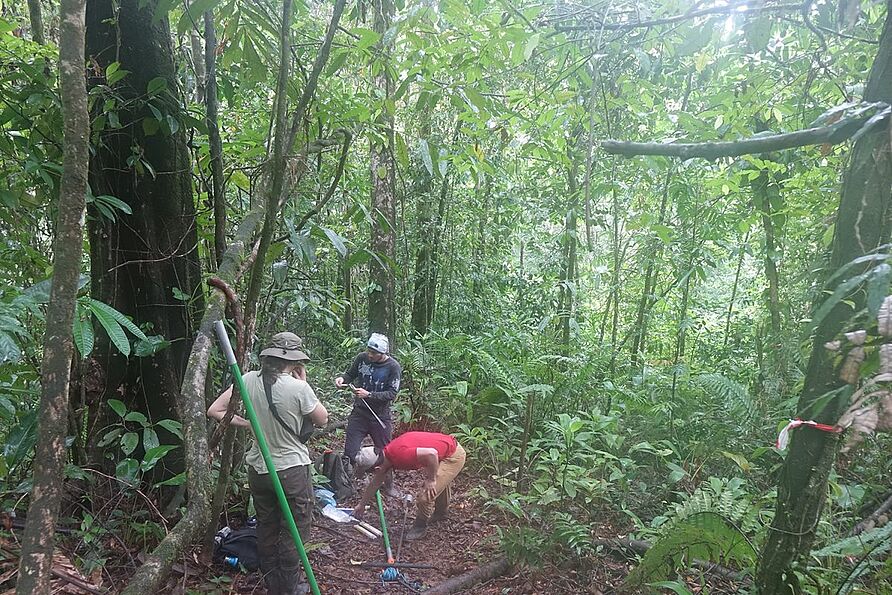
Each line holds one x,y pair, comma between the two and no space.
382,315
863,222
58,346
146,264
218,187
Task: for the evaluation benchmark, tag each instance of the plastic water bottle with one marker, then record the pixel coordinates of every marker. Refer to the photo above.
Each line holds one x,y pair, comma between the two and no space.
222,534
231,561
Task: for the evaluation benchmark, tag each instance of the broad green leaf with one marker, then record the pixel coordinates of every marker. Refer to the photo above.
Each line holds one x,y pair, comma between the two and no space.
156,86
155,454
172,426
176,480
126,470
367,38
84,337
878,288
149,439
137,417
336,241
118,407
114,331
425,151
96,305
841,291
129,441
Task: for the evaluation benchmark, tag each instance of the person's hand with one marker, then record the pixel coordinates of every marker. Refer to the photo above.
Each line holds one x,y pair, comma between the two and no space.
429,490
361,393
339,382
359,512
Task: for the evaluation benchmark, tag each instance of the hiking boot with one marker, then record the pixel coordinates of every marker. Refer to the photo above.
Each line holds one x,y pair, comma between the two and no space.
441,506
418,530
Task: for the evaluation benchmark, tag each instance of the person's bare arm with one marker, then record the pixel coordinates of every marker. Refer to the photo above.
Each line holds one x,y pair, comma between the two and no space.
217,410
430,464
319,415
375,482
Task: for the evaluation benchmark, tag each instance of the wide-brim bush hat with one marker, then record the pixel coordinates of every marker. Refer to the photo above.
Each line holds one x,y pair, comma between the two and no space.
286,346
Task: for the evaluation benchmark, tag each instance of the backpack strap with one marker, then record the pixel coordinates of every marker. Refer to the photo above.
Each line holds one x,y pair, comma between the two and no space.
305,434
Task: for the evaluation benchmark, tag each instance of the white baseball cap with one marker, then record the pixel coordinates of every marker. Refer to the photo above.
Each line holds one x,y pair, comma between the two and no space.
379,343
366,458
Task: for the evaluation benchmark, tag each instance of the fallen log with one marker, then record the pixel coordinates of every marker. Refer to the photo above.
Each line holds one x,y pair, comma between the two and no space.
467,580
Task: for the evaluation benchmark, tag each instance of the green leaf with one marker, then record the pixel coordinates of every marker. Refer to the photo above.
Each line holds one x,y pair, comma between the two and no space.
129,442
137,417
531,45
841,291
878,288
476,99
192,18
114,331
84,338
336,241
155,454
367,38
425,151
172,426
149,439
118,317
118,407
172,124
176,480
126,470
336,62
110,437
156,85
116,76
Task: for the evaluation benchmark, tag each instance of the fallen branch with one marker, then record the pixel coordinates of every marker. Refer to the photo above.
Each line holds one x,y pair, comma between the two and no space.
469,579
821,135
871,521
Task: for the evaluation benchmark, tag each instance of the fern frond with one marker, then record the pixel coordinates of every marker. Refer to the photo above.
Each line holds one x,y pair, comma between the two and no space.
732,394
703,536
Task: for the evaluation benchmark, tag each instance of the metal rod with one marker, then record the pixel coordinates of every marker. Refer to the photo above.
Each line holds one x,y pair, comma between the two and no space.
226,346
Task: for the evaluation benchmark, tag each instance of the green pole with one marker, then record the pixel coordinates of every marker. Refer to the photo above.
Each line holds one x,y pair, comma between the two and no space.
384,528
225,345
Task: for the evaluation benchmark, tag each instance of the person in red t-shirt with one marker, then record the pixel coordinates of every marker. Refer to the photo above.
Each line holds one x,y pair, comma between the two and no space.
439,456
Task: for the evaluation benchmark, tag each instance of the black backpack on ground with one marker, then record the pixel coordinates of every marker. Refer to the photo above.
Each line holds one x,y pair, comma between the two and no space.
337,468
241,544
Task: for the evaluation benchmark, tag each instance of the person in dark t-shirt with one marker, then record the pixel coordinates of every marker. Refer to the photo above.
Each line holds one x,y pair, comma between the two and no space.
374,376
439,456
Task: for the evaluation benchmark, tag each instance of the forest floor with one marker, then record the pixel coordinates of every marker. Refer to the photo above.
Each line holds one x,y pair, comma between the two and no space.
462,542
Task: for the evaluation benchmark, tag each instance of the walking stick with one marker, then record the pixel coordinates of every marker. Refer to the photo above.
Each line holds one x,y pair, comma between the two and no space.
226,346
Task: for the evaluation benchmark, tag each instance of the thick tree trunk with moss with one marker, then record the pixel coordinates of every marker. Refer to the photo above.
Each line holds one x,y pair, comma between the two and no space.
145,264
382,314
863,222
58,345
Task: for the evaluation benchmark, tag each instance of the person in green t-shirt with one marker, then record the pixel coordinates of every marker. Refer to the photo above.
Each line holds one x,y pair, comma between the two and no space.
281,418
